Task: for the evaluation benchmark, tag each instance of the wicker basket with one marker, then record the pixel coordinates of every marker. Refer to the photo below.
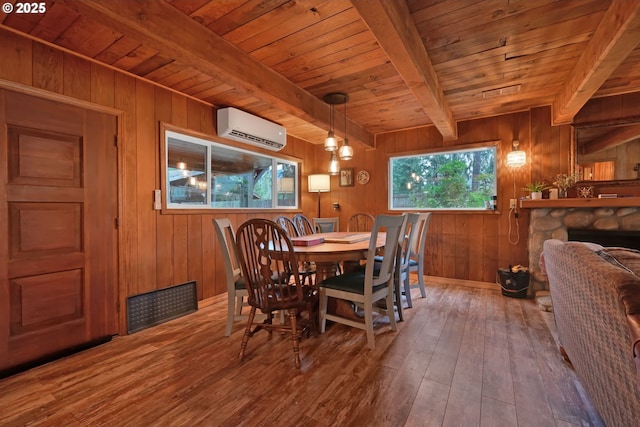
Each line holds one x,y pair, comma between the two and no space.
514,285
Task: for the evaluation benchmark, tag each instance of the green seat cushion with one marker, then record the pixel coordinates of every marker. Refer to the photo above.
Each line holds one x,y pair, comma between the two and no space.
240,284
349,282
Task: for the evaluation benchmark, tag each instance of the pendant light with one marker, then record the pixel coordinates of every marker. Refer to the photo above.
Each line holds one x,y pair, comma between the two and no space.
346,151
330,142
333,99
334,166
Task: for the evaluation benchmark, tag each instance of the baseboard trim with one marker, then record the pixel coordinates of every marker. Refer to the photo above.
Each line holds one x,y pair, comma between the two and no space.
461,282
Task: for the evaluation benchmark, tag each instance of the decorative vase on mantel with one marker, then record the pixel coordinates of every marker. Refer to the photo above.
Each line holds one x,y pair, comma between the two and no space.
536,195
562,193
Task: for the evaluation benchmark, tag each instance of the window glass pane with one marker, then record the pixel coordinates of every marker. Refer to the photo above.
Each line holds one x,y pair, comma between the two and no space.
187,173
240,179
446,180
286,184
204,174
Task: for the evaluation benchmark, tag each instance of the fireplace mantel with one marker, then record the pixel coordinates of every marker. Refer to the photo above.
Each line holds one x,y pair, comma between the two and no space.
618,202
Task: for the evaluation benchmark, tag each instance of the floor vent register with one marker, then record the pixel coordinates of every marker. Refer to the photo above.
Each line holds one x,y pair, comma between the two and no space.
159,306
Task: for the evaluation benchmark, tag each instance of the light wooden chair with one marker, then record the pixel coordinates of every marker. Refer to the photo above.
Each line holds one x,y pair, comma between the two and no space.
326,225
270,269
401,283
236,290
416,261
360,222
303,225
366,287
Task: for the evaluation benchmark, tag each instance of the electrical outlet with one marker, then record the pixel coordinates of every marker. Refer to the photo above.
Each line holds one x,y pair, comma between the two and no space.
513,203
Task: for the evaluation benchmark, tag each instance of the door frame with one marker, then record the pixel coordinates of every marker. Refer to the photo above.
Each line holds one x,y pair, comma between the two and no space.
119,114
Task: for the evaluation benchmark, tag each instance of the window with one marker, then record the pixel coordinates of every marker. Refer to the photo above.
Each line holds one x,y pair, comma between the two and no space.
461,179
201,174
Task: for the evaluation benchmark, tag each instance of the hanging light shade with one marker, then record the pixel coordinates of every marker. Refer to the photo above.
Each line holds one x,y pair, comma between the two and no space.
346,151
330,142
516,158
334,166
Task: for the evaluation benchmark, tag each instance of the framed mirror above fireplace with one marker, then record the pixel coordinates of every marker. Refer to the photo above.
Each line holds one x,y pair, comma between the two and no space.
608,151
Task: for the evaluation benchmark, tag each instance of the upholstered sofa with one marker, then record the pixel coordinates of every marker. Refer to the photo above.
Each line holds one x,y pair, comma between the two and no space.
595,293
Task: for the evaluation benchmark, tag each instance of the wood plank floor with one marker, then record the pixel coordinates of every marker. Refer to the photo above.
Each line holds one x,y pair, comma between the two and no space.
462,357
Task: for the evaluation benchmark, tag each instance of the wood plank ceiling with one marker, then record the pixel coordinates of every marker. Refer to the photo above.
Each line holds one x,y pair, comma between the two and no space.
403,63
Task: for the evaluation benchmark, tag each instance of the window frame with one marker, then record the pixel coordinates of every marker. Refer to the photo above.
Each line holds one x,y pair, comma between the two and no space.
494,144
168,131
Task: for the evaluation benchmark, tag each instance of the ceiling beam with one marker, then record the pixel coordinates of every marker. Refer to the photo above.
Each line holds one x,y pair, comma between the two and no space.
393,27
620,136
160,26
617,35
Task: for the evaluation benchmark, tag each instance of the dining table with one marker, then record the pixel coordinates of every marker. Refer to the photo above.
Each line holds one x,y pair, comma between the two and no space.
327,250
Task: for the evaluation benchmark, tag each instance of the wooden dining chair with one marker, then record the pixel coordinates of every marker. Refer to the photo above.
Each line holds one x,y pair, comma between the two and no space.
288,225
236,290
306,269
326,225
401,282
303,225
360,222
270,270
366,287
418,249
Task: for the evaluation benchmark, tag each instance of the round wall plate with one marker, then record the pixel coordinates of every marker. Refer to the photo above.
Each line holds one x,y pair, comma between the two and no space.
362,177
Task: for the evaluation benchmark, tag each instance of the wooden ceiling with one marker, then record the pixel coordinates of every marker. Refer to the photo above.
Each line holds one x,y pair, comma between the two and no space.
403,63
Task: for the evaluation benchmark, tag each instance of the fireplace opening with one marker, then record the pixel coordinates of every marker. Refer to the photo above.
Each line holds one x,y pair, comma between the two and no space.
621,238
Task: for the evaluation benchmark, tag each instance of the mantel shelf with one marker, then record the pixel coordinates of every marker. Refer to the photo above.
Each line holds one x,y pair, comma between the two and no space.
619,202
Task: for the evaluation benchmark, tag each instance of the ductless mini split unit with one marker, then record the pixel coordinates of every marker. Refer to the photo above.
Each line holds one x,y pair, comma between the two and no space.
244,127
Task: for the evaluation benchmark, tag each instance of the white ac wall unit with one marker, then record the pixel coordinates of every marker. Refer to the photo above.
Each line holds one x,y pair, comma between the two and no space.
244,127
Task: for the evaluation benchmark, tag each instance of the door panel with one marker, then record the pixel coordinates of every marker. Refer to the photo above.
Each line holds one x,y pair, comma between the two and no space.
60,205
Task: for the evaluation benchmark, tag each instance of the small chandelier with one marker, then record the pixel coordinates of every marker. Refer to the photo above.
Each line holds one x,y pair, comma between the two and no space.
334,166
516,158
333,99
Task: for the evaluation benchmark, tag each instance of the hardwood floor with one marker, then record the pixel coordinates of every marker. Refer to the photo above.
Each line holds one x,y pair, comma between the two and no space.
462,357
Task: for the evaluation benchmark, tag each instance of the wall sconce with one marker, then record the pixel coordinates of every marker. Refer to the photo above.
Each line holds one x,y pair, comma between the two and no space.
516,158
319,183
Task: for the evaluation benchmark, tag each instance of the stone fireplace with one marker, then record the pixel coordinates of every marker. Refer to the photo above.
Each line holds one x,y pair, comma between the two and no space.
551,219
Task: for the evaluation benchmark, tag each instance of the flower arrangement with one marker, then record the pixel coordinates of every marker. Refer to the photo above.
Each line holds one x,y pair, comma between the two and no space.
564,180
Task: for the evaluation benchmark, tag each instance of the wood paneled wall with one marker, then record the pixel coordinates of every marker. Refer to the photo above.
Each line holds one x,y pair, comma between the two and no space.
462,245
159,250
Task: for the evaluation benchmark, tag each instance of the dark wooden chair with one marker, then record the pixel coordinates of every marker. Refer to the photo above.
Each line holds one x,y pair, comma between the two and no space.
306,269
303,225
270,270
360,222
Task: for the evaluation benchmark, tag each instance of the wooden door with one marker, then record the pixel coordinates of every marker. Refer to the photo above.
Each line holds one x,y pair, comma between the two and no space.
58,207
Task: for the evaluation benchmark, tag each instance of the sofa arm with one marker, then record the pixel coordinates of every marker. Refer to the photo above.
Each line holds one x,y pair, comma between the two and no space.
634,331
